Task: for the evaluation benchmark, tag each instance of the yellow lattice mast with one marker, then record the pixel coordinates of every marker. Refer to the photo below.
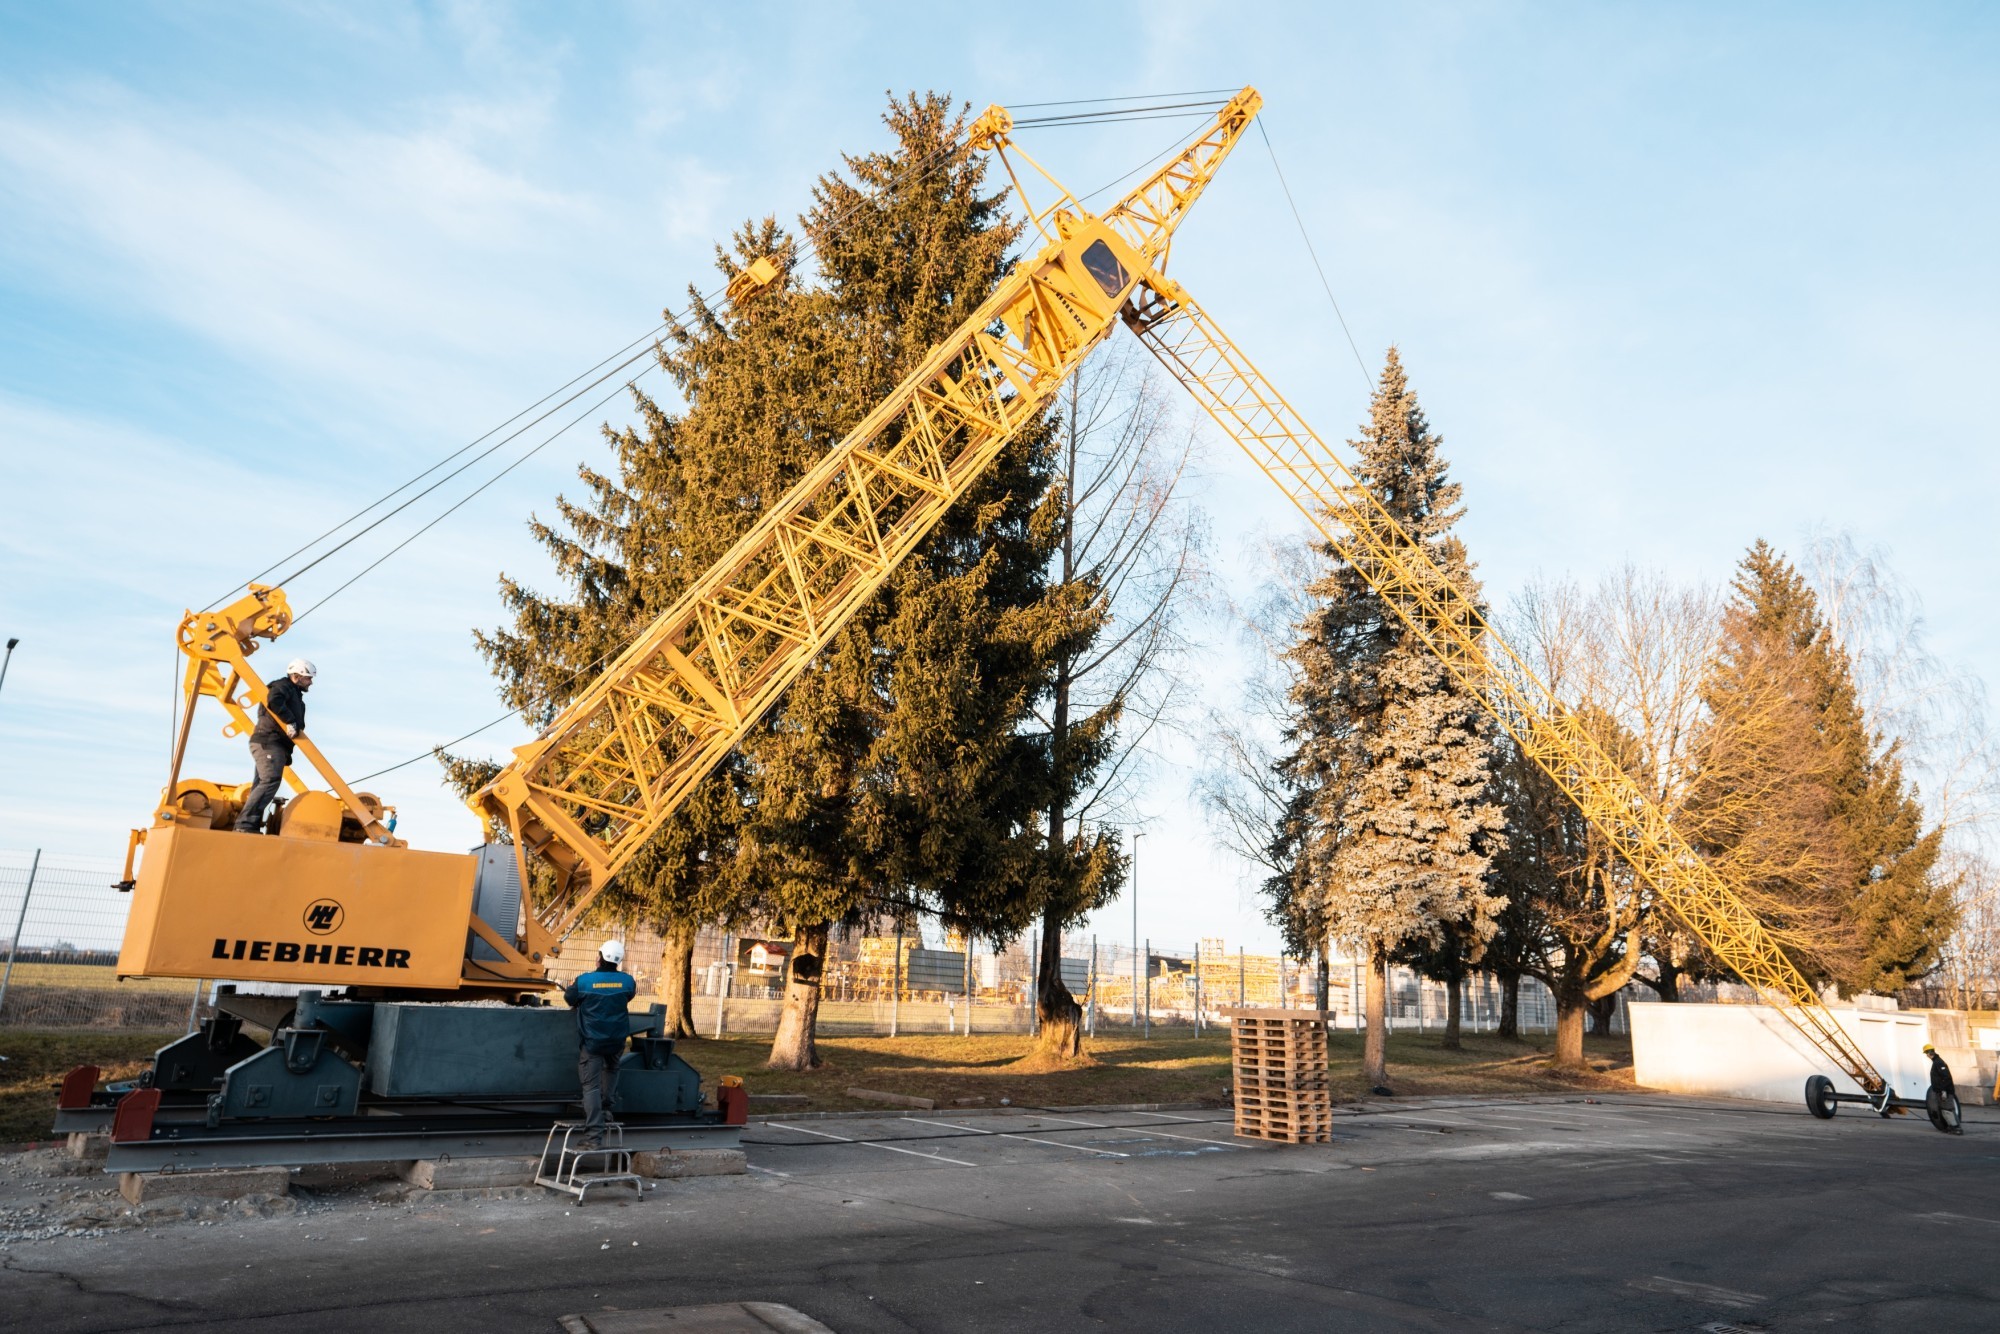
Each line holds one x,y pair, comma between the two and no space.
1232,390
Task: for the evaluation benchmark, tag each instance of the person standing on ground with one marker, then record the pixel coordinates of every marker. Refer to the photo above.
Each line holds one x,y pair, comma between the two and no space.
1942,1104
280,721
1940,1072
601,998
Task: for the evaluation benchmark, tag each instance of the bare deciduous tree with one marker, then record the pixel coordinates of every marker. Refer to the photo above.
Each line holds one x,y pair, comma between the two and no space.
1127,561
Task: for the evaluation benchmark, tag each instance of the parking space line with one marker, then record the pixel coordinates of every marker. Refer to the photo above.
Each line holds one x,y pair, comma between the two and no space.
1145,1130
1008,1134
873,1144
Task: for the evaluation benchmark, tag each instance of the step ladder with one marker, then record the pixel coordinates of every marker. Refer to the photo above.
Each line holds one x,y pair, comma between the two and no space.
566,1166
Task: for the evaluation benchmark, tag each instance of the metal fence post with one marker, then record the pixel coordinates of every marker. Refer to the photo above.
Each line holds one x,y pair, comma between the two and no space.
1284,1001
1241,978
896,982
968,984
20,923
194,1004
1149,986
722,1001
1035,983
1090,1015
1197,991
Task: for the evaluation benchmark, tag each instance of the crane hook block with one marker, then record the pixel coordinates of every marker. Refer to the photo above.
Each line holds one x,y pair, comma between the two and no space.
991,129
753,278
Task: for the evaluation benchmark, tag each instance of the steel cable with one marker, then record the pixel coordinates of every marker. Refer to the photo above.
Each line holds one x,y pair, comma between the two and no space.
1359,361
592,667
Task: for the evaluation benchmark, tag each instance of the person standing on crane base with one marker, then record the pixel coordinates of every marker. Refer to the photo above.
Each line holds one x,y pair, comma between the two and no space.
601,998
281,719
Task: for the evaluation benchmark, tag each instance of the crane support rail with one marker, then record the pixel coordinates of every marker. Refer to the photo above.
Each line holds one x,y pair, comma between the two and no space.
383,1139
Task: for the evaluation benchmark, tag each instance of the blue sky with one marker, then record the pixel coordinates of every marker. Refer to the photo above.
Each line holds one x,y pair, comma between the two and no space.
1668,278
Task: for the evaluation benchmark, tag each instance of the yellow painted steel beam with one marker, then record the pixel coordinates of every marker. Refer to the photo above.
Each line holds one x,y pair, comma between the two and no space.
588,793
1449,623
218,645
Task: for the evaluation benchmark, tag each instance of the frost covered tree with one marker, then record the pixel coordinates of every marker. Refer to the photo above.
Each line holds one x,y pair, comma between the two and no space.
1389,823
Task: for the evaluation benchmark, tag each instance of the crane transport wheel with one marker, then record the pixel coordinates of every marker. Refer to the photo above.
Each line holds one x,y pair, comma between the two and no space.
1819,1097
1942,1108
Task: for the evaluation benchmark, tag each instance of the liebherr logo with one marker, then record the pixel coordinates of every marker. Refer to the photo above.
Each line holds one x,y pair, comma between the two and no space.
323,917
292,951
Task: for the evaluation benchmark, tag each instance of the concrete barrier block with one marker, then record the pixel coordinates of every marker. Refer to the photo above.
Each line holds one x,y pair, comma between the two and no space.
469,1173
894,1099
724,1318
673,1164
142,1187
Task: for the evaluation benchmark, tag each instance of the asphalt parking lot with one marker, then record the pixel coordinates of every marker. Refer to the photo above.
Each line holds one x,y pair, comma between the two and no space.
1623,1213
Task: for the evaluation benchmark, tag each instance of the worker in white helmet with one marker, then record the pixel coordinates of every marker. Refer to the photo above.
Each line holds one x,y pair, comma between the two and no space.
603,1023
280,721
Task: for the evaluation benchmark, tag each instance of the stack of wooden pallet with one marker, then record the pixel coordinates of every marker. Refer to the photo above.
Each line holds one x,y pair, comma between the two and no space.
1280,1075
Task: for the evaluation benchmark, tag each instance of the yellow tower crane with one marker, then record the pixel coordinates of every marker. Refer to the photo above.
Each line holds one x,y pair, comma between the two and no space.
581,799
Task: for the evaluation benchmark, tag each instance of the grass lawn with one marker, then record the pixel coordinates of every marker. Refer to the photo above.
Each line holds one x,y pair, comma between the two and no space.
1165,1069
93,975
936,1066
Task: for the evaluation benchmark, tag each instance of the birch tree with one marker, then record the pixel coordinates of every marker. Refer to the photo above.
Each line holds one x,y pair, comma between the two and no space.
1126,562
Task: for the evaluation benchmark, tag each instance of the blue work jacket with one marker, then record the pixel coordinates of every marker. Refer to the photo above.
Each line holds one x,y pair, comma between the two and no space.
600,1000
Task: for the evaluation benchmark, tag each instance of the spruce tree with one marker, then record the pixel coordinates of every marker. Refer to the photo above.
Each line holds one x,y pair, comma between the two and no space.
1390,827
895,770
1805,803
673,504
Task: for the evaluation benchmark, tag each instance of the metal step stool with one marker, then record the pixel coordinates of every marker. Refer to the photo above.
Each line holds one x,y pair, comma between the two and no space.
566,1167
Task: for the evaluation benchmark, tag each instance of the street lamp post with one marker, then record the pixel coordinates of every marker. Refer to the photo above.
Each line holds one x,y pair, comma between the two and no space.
9,658
1138,960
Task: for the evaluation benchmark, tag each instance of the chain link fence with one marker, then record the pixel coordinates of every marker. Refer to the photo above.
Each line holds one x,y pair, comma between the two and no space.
880,981
63,921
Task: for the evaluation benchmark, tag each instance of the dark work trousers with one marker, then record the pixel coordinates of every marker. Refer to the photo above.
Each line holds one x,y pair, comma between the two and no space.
599,1076
270,761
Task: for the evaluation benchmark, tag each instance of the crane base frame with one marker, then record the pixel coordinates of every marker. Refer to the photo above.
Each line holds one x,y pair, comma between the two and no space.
346,1081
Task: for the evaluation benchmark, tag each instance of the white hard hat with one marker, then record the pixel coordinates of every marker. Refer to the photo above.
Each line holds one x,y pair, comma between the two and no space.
300,667
612,952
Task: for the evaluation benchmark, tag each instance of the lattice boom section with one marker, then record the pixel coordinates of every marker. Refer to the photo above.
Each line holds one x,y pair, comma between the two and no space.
1146,218
600,782
1452,626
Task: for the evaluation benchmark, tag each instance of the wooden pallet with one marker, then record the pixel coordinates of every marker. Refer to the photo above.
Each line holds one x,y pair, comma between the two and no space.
1278,1062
